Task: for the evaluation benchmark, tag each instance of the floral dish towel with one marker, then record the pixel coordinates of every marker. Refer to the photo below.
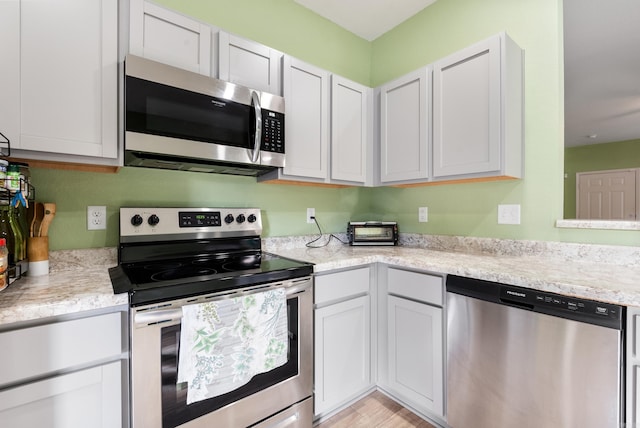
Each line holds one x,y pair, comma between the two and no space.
224,343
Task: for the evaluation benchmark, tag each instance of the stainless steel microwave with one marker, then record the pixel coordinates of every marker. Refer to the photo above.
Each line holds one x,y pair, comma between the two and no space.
372,233
177,119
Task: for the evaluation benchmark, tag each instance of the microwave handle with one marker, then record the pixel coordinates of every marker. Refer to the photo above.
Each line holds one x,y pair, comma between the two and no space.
255,101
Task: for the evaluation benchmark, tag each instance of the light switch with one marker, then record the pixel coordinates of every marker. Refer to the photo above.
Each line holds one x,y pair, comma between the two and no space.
423,214
509,214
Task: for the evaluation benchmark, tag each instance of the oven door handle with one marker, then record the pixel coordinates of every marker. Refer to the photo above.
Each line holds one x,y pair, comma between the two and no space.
304,285
145,319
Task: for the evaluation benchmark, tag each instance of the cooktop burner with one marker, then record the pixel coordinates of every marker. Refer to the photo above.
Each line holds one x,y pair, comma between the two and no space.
179,253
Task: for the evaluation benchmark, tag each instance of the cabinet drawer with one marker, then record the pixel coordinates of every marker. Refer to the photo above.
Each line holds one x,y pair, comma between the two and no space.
47,348
414,285
340,285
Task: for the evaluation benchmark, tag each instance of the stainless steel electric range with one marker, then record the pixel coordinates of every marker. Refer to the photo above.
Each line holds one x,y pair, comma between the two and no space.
169,258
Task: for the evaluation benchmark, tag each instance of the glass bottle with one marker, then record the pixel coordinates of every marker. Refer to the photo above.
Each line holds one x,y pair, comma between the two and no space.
5,230
4,264
20,241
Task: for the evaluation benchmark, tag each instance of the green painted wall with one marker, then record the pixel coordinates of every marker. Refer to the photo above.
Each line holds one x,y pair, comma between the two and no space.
284,206
460,209
596,157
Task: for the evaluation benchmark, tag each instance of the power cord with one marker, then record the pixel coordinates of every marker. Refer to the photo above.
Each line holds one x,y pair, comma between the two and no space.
331,236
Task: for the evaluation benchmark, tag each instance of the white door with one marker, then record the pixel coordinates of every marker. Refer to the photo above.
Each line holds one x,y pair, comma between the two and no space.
349,129
249,63
87,398
404,121
342,353
607,195
466,111
306,93
10,71
69,76
165,36
415,350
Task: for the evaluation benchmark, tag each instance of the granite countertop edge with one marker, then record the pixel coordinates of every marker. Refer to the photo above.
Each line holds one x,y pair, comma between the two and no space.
79,280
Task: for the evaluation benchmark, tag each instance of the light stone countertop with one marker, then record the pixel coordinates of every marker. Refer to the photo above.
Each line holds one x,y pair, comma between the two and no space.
604,282
79,281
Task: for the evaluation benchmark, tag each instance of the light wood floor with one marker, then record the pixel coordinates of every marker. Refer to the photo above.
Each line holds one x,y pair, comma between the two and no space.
375,411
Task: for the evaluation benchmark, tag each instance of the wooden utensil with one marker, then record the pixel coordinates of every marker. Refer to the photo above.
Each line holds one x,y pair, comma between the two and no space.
49,213
31,215
38,215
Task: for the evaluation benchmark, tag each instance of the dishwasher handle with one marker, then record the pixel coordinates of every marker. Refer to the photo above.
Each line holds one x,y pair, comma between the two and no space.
516,303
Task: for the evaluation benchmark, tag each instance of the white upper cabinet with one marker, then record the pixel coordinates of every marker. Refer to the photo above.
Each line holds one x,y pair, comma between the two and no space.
249,64
404,128
306,94
165,36
477,111
59,78
327,127
350,130
10,70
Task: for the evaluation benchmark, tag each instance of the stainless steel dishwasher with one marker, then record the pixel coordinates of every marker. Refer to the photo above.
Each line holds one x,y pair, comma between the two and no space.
517,357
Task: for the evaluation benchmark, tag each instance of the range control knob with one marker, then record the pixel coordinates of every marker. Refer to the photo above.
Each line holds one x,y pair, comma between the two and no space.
153,220
136,220
229,219
252,218
241,218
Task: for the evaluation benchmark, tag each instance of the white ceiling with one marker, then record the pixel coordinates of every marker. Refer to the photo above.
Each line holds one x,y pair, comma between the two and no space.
368,19
602,71
602,58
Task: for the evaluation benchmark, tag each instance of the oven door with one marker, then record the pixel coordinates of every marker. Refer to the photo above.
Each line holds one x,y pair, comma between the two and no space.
157,401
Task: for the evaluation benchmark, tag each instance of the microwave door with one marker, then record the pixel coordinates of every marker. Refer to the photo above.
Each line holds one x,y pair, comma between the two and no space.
156,109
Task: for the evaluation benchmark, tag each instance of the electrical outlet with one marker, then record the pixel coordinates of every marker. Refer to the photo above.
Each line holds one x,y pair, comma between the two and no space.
96,217
509,214
423,214
311,212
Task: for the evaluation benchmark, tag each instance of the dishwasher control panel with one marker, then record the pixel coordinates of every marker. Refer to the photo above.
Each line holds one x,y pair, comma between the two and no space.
578,309
558,301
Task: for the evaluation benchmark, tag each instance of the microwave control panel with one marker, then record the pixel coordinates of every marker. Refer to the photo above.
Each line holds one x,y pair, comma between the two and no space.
272,131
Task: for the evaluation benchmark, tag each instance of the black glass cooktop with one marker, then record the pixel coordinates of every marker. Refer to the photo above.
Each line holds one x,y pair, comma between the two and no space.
160,280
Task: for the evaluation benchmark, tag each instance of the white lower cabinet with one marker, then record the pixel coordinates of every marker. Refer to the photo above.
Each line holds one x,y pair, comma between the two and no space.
633,367
342,339
87,398
411,339
415,352
379,326
66,374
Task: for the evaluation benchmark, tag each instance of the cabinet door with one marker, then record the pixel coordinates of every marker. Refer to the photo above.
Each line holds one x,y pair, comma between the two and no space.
68,77
415,353
87,398
632,369
466,99
306,93
342,353
477,111
350,118
249,64
10,70
169,37
404,122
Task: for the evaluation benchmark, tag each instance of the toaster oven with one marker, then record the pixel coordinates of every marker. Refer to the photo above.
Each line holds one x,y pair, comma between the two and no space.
372,233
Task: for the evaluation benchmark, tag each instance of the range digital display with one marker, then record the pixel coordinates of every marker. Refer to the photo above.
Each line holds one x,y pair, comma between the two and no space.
199,219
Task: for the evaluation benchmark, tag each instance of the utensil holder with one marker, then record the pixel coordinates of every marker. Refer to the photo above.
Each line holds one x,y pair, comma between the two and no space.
38,255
